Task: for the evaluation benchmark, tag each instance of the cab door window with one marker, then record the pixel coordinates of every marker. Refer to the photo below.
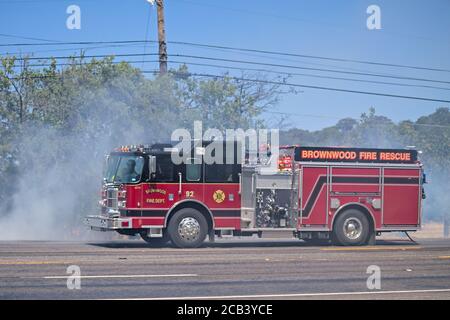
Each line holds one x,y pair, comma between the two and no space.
221,173
164,169
193,170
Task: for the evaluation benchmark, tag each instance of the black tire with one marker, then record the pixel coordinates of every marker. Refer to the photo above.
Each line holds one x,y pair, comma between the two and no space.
187,216
351,228
156,242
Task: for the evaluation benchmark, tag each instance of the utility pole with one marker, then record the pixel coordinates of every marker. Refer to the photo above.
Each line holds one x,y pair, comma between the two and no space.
161,38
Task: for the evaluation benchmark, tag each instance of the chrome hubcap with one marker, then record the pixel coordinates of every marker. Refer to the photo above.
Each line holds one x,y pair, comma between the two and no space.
189,229
352,228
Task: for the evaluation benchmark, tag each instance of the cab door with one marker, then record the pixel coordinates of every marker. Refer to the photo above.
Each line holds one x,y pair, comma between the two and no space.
172,184
162,191
191,175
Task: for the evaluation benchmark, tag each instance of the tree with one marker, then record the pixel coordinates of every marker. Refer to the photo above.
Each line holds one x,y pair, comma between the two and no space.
225,102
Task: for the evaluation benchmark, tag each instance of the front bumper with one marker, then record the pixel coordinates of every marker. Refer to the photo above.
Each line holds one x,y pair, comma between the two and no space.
103,223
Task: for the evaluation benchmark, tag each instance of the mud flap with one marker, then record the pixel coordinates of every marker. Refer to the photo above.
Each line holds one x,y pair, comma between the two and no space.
372,239
211,236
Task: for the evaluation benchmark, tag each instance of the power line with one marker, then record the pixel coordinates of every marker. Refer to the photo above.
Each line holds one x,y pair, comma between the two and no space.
22,37
260,70
305,75
308,68
133,43
246,62
88,56
311,87
268,52
89,63
284,59
60,43
312,56
73,49
278,83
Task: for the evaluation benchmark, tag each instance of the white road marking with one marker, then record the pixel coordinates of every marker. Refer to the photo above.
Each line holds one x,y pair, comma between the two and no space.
127,276
291,295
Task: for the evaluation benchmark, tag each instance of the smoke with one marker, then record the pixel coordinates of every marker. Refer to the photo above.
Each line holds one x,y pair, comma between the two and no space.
58,174
437,190
59,179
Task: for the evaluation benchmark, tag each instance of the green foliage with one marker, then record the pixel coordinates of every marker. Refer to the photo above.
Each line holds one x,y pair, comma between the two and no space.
225,102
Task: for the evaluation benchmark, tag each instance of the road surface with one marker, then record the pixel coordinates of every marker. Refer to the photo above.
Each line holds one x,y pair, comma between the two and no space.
227,269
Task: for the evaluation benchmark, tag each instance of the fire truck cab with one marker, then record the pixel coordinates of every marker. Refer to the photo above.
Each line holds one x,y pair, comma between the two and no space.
347,195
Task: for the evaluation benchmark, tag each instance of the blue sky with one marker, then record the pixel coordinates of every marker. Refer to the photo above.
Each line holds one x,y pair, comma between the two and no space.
414,32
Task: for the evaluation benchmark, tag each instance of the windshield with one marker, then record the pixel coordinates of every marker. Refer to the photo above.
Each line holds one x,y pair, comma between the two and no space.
124,169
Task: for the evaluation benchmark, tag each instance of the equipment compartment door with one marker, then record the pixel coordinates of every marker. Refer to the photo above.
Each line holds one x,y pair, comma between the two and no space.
402,197
313,196
222,194
222,186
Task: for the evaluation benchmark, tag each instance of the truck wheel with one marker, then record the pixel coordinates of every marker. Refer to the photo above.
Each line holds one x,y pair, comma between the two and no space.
351,228
156,242
187,228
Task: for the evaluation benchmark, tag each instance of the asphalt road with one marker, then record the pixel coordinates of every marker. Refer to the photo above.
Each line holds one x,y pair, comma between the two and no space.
227,269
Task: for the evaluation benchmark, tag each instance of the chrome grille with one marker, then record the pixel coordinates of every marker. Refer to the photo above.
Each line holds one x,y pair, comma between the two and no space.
111,198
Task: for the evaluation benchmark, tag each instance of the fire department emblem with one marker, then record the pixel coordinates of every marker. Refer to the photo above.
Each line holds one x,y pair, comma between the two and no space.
219,196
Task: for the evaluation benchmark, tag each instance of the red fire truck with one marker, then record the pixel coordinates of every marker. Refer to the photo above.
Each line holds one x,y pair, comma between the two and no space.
347,195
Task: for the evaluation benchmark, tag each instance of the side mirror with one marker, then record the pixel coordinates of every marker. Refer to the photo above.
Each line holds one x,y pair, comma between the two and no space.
151,165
